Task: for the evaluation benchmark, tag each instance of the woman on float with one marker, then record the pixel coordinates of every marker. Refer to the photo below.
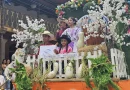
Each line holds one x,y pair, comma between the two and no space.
62,27
72,31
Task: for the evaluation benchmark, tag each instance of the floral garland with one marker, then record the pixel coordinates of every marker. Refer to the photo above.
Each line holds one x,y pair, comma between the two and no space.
30,35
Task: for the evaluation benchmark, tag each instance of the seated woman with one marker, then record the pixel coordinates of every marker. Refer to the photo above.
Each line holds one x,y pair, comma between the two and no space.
63,45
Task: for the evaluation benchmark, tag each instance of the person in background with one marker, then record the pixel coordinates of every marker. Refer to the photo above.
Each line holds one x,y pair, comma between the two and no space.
3,66
8,62
8,83
2,81
72,31
62,27
63,45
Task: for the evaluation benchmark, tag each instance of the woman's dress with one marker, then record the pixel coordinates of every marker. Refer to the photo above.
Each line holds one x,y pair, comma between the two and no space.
73,34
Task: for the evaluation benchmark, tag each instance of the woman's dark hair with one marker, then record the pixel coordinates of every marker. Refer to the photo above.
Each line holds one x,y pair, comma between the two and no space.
3,61
74,19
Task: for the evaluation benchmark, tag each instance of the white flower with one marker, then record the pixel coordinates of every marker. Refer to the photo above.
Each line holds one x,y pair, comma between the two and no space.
113,9
28,36
24,45
102,43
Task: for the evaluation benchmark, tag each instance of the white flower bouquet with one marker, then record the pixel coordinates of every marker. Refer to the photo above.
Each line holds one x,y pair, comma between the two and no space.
30,35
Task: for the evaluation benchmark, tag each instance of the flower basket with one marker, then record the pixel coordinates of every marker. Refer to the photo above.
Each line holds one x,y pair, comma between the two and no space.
95,40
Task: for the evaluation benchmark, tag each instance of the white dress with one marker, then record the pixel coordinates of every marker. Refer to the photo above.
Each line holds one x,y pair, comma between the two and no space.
2,80
73,34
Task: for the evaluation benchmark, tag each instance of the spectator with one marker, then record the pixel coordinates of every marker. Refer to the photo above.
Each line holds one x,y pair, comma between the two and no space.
2,81
8,62
8,83
3,65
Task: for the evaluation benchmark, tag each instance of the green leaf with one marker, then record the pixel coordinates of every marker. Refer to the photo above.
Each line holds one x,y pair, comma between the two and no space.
17,63
101,71
12,69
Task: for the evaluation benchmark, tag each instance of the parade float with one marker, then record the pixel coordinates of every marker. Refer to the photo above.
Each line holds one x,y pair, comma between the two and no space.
98,65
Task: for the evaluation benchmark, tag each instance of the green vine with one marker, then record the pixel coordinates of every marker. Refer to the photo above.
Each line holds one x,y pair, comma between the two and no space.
101,71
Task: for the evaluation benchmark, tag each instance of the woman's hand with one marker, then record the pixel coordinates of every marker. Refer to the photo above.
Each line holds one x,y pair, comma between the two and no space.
55,51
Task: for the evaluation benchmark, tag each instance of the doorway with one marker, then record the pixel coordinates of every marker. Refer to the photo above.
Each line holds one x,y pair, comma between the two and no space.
12,50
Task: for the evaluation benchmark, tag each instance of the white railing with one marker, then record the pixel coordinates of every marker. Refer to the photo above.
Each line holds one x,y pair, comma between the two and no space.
62,60
117,59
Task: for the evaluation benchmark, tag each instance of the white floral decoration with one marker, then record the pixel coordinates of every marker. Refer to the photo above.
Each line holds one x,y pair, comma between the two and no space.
30,34
114,10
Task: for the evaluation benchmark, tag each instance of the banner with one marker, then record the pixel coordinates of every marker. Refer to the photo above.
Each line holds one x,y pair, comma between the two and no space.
47,51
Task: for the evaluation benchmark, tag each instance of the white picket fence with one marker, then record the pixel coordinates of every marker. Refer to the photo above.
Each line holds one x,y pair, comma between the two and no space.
117,58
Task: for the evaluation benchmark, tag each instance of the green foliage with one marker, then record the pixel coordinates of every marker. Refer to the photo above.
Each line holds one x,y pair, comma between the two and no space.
38,77
87,7
84,67
22,81
101,71
121,28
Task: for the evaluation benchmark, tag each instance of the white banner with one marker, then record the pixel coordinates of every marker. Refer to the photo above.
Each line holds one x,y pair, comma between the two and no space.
47,51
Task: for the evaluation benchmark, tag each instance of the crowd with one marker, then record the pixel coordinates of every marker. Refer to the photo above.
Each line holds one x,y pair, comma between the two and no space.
6,84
